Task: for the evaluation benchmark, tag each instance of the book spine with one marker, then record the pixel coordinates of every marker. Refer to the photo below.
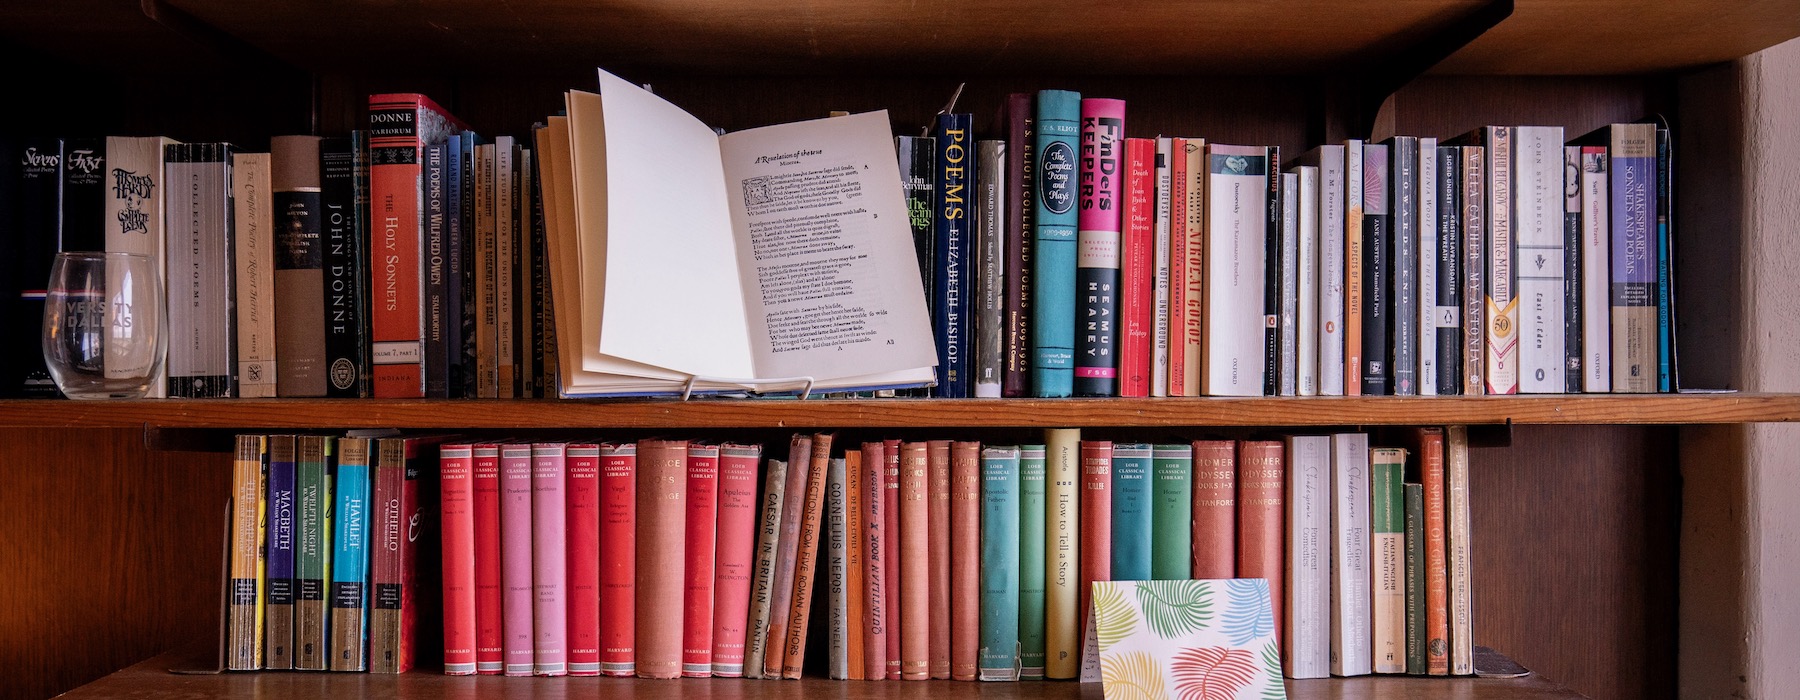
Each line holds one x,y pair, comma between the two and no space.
527,280
1215,509
1132,533
489,581
965,565
1350,599
1429,240
457,275
1387,464
1183,361
836,571
806,569
245,597
1437,568
699,547
202,329
583,558
918,184
1596,272
1403,266
1331,270
312,551
1172,512
896,593
990,278
856,597
792,507
937,508
1234,359
516,606
1261,482
1572,291
1415,580
134,224
915,555
278,614
661,508
763,586
877,544
1448,304
433,269
252,234
1306,323
506,246
1308,604
1288,357
1538,256
1272,268
297,259
1062,552
999,564
1032,570
1097,246
549,559
1194,263
350,559
84,193
737,528
1502,298
1377,270
1137,276
1459,551
1054,216
487,362
1095,502
1634,261
1353,267
1665,264
1161,321
32,192
396,206
1473,192
408,534
344,257
1021,168
950,280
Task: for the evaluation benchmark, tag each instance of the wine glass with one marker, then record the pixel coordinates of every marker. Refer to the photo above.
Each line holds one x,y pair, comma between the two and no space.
103,325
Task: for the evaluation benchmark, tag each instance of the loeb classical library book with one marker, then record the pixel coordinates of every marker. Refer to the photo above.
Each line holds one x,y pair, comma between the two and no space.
1399,351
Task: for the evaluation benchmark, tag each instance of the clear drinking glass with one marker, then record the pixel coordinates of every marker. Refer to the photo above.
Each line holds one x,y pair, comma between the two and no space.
103,325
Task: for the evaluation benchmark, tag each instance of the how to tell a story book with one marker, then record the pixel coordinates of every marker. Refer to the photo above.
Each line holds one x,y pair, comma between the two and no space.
770,259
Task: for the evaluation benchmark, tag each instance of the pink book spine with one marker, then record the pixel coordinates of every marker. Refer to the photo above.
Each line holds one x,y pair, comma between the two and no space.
697,593
549,558
736,550
618,559
584,559
518,645
455,483
488,635
890,479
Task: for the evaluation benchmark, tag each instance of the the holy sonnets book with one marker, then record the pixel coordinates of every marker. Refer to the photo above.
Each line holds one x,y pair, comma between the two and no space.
753,261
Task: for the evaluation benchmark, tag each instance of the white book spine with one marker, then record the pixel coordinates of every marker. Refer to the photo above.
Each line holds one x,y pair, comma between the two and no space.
1308,563
1538,215
253,232
202,340
836,571
134,224
990,255
1159,342
1331,270
1350,598
1307,374
1290,270
1428,264
1462,596
1596,273
1232,363
505,232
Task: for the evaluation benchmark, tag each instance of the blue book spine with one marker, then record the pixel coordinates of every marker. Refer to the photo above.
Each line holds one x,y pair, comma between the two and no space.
281,525
999,660
350,559
1171,512
454,309
950,283
1665,311
1131,519
1053,286
1031,562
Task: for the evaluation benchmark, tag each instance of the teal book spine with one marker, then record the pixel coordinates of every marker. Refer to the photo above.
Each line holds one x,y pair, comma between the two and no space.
1055,218
1415,580
1131,519
1031,562
1171,512
999,564
350,559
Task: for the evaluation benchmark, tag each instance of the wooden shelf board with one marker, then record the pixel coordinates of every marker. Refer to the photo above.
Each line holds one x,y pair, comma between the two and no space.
151,681
900,413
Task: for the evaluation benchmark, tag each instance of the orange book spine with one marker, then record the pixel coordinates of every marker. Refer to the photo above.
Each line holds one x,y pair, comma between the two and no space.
1437,562
915,555
1096,524
1178,358
1215,509
661,519
938,510
1260,528
877,543
856,606
890,489
807,567
965,560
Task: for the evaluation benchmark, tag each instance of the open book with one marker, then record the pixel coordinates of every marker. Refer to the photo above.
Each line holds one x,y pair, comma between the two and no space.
771,259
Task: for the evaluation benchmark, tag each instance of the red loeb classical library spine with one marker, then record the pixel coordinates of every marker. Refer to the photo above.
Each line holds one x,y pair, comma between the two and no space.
618,559
583,494
486,499
456,485
697,589
736,553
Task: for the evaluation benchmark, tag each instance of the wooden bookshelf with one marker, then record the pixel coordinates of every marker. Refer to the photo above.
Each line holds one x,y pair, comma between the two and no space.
1591,409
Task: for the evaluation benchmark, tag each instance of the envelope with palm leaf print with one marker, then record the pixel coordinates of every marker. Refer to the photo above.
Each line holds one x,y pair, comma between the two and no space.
1186,640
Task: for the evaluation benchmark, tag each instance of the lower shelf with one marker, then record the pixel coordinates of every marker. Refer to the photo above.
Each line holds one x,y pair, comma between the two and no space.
151,680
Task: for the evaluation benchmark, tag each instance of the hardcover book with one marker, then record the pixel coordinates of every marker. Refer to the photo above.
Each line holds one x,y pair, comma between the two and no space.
952,257
896,593
315,469
661,511
1021,211
618,559
1351,634
762,587
1329,160
299,267
1632,166
1095,503
812,516
1062,552
837,572
200,258
489,579
519,637
435,268
1132,531
278,645
1429,443
877,544
582,497
787,553
343,167
253,241
989,361
1138,275
700,545
1261,484
1172,509
914,562
456,467
1032,570
134,224
855,566
737,529
1102,155
1387,465
1215,509
404,566
1415,580
33,185
1459,551
1308,604
1307,284
1187,245
1054,216
965,563
999,564
1233,359
1538,255
937,499
549,558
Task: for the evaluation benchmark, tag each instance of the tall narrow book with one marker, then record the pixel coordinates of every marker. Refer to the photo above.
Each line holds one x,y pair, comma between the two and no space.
1021,213
937,494
350,558
278,624
583,499
201,276
1307,284
1032,570
1308,604
965,564
762,587
1053,289
343,177
1215,509
1430,451
1460,551
736,553
489,579
915,555
1171,512
812,533
1403,265
518,644
549,559
1062,552
1138,274
896,594
1377,268
1262,483
1473,192
1351,654
1429,241
1388,616
244,630
1132,512
618,559
836,572
1102,156
1632,166
1596,271
950,291
877,555
1233,359
136,193
1095,506
315,469
700,541
1353,267
1415,580
1448,309
299,272
855,566
1162,334
788,552
999,564
1538,255
661,510
1331,219
404,566
252,233
989,262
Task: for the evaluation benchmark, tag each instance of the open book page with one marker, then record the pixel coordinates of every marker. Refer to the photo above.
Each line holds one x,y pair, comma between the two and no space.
831,286
671,294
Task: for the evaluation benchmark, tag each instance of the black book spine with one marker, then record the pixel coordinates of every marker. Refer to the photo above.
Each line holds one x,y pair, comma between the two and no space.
342,164
33,223
437,350
539,299
1272,271
466,251
1668,376
1403,338
1020,156
1572,308
1377,260
84,195
454,264
1449,271
918,178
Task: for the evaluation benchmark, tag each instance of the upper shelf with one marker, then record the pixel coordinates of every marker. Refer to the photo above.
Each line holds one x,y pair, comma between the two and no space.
939,37
902,413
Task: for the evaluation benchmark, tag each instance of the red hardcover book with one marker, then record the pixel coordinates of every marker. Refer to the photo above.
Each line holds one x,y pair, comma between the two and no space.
549,559
1215,509
856,596
1261,531
915,562
661,515
788,551
701,529
1096,522
583,494
456,506
895,595
399,578
811,533
965,560
1137,276
736,554
1429,443
937,492
877,543
1178,301
401,126
618,559
486,487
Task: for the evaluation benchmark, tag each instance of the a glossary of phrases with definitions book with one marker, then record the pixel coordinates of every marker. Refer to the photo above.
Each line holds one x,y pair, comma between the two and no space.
770,259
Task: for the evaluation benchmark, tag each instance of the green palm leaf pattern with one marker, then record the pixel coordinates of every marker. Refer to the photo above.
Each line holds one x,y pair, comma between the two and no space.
1114,619
1132,676
1173,609
1276,689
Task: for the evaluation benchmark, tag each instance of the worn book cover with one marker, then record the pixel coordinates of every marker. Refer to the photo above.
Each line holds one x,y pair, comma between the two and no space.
254,243
550,559
661,512
1053,289
299,265
998,568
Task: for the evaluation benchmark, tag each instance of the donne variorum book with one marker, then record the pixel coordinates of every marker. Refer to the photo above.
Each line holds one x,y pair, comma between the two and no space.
759,260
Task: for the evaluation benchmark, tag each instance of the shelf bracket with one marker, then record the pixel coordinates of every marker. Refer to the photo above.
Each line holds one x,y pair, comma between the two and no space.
1370,98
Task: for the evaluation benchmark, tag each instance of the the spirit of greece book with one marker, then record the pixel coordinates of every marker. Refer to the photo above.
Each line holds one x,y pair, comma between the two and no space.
769,259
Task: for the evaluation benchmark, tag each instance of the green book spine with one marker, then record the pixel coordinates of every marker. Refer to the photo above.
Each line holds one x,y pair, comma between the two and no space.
1387,466
999,564
312,561
1415,580
1172,512
1031,561
1131,528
